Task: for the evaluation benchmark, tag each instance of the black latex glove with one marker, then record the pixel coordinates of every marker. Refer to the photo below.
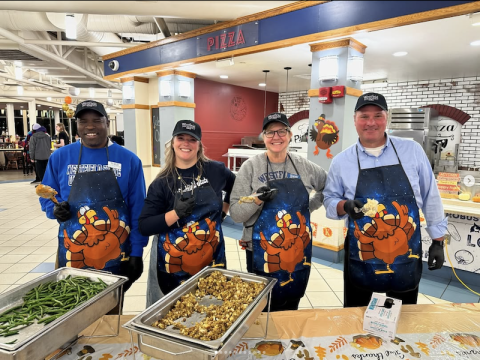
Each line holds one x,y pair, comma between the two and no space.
350,206
133,269
184,208
436,255
62,211
267,195
224,215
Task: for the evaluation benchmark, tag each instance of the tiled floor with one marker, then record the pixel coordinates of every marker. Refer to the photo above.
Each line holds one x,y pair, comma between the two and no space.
29,241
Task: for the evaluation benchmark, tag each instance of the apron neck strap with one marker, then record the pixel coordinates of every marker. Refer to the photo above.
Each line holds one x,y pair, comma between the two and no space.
284,168
394,149
80,156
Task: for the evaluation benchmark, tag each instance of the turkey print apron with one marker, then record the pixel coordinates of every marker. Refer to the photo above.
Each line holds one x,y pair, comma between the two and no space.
196,243
96,235
282,246
384,251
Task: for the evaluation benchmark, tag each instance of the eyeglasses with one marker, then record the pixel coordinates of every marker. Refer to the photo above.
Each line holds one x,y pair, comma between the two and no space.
271,134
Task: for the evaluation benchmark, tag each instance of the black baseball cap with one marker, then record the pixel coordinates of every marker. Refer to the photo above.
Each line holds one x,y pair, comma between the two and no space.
275,117
372,99
188,127
90,105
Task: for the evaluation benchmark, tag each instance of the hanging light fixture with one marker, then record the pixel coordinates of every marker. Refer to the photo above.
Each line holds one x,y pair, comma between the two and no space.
287,68
265,106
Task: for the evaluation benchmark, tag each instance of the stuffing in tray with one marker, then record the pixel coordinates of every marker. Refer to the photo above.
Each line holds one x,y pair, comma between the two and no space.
236,295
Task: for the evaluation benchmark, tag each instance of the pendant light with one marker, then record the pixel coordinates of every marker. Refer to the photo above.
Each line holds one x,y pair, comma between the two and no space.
265,106
282,108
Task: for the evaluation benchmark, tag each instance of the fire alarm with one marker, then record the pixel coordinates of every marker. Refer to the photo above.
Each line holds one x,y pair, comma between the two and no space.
325,95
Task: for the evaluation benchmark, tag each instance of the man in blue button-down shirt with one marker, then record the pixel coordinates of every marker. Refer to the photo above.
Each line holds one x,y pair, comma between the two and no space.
379,160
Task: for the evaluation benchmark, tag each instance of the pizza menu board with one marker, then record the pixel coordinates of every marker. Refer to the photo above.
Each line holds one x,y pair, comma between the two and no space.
448,185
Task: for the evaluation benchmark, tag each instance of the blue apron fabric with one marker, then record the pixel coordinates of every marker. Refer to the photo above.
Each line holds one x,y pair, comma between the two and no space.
282,246
153,289
384,252
195,243
96,235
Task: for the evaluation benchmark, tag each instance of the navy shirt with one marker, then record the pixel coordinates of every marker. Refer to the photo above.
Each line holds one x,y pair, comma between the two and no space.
160,197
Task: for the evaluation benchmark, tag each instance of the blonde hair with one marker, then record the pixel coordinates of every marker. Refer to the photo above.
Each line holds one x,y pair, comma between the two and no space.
169,168
62,128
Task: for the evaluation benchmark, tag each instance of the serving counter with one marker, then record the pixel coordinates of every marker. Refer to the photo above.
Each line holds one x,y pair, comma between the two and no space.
446,331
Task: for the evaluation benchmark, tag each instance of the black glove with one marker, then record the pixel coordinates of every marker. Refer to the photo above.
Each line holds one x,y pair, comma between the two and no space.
224,215
436,255
133,269
268,194
184,208
350,206
62,211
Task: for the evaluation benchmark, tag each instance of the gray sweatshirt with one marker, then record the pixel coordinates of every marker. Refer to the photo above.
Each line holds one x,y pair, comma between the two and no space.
40,144
253,175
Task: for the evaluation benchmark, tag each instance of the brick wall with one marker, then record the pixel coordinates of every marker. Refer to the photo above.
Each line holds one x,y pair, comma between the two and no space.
294,102
461,93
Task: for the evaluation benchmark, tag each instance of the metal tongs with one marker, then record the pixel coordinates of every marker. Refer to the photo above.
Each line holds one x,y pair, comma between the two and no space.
362,209
265,192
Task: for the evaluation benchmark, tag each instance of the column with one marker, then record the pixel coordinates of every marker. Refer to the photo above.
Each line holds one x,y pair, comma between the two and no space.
334,63
56,115
136,116
10,121
32,116
176,102
349,62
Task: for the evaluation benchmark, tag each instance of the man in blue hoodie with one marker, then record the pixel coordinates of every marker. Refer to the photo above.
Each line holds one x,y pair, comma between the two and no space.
101,190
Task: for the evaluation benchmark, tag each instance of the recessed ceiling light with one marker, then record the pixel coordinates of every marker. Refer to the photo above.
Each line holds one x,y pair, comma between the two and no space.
475,43
262,84
49,107
49,98
476,24
21,107
39,105
223,76
400,53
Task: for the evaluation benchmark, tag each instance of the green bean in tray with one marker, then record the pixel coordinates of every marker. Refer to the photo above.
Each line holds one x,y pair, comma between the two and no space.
47,302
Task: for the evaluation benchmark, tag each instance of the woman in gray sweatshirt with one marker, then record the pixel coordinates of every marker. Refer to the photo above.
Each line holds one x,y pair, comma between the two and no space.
276,219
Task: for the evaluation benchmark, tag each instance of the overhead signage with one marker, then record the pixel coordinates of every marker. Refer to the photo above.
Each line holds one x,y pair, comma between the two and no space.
228,39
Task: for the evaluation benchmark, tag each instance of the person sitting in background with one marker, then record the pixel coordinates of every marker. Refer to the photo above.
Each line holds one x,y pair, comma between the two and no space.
63,137
39,150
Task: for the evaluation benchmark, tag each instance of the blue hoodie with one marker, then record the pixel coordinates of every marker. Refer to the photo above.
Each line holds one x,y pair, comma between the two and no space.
61,171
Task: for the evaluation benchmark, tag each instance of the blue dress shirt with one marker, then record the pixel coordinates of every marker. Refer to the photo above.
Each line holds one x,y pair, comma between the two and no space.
343,175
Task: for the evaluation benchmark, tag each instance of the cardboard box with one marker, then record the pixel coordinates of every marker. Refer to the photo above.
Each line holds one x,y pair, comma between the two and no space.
379,320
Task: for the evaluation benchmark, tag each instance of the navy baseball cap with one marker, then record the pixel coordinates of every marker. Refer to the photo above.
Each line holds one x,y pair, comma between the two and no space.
371,99
188,127
90,105
275,117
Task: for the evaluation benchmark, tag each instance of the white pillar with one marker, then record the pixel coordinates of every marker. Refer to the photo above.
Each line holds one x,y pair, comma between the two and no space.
56,114
32,115
10,120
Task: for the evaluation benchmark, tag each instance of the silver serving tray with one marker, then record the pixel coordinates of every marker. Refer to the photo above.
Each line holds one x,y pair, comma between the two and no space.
164,305
38,340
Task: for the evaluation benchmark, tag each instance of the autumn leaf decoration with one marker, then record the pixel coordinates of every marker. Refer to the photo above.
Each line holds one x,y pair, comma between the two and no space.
127,353
337,344
243,346
321,352
423,348
437,340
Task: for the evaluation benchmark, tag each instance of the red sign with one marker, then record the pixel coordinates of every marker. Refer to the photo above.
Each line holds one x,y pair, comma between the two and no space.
325,95
225,40
338,91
